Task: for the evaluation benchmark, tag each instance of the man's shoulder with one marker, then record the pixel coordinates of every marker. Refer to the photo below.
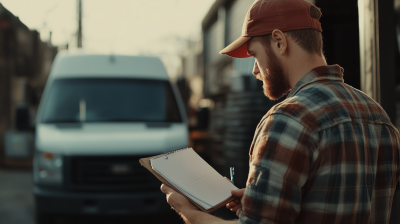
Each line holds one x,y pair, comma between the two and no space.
323,104
294,109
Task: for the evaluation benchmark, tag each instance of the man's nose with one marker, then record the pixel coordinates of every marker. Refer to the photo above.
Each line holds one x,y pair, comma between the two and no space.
256,70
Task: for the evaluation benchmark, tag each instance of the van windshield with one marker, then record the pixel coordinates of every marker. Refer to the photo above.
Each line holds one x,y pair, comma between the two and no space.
110,100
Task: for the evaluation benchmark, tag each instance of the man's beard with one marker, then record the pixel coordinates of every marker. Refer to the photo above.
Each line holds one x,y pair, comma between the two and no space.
275,85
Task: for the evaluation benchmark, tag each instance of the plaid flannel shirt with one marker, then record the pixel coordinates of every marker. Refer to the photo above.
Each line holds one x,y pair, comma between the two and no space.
327,154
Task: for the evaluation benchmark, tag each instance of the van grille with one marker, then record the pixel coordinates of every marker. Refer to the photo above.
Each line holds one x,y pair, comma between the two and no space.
109,173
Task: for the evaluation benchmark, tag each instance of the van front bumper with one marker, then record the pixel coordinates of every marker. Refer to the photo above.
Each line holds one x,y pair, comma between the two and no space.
140,203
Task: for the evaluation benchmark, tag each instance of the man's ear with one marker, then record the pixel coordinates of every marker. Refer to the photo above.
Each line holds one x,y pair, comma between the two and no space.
279,41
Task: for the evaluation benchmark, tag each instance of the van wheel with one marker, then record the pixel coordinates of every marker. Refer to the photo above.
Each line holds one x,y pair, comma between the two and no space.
42,218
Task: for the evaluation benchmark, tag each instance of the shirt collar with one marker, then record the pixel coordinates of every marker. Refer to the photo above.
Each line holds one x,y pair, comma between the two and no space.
328,72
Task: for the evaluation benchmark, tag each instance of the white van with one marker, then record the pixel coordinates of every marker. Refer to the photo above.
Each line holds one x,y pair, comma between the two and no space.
98,115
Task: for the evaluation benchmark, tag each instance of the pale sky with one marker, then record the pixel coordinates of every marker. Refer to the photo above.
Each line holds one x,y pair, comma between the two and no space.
150,27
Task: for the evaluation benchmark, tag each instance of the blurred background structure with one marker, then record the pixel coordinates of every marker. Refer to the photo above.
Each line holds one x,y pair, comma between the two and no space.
223,100
25,62
361,36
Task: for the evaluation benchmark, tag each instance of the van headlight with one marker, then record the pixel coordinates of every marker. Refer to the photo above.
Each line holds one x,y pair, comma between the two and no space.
48,167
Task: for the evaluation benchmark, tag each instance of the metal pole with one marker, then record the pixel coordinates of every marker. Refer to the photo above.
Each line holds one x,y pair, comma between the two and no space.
378,71
79,23
377,52
369,59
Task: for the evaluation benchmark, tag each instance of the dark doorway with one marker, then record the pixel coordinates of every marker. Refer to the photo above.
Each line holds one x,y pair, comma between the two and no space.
341,39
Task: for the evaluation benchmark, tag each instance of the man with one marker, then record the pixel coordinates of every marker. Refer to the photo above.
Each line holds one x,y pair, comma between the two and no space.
326,154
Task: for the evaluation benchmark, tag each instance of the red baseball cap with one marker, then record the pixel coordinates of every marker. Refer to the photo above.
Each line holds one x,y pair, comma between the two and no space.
265,16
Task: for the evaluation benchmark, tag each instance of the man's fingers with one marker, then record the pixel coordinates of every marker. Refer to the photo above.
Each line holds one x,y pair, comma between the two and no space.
234,209
238,193
165,189
231,204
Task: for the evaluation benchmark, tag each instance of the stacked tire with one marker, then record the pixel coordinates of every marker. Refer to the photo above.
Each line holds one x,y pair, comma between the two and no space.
243,112
217,129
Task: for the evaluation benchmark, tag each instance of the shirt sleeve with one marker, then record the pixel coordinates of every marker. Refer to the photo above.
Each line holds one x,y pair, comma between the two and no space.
279,168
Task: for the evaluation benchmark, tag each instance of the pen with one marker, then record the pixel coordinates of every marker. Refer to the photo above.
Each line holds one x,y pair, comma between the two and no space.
232,173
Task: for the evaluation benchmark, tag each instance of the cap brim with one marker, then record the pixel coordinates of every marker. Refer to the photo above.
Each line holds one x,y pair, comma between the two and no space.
237,49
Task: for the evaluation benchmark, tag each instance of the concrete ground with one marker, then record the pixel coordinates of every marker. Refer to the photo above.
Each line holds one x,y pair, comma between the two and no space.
17,205
16,200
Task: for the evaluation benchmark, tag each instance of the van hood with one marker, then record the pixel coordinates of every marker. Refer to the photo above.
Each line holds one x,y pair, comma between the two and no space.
110,138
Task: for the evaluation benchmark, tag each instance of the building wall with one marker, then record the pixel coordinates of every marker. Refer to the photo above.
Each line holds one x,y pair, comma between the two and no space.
223,27
239,103
24,67
236,13
212,42
192,72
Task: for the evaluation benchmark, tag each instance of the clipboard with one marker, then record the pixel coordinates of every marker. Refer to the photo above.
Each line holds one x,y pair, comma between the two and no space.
145,162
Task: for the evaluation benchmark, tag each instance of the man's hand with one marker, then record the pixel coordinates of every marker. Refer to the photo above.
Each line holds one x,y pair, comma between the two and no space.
236,205
177,201
189,212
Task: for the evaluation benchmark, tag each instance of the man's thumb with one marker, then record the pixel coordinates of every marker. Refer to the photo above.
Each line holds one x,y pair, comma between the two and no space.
165,189
237,193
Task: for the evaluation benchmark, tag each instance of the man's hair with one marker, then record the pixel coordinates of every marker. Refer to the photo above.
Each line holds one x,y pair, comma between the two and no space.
308,39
